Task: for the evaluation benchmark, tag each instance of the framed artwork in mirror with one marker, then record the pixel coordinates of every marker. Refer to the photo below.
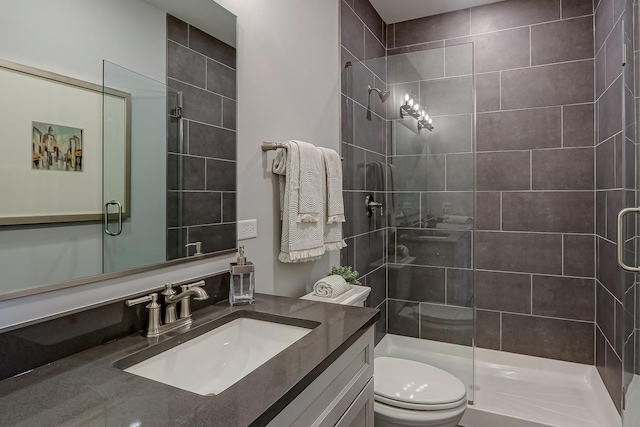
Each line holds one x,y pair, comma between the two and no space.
56,147
56,127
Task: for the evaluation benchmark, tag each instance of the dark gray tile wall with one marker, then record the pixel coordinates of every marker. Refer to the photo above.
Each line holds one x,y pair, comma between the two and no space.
610,279
364,147
534,213
202,171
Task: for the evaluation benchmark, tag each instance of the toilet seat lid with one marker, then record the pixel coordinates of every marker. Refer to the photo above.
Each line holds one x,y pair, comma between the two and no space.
414,385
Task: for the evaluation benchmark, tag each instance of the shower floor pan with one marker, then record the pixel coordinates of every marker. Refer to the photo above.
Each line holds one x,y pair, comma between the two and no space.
514,390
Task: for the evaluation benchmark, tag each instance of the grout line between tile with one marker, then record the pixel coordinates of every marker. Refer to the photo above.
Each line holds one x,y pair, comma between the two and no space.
195,156
531,296
529,108
562,253
530,48
201,88
530,170
562,126
514,313
205,174
222,206
500,90
209,224
444,62
501,210
561,9
490,270
446,286
453,39
419,320
500,331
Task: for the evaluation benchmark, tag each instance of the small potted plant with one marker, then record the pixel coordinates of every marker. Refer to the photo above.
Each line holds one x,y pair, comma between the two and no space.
347,274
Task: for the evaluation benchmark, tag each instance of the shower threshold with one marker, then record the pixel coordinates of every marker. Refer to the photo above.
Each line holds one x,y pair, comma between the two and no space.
514,390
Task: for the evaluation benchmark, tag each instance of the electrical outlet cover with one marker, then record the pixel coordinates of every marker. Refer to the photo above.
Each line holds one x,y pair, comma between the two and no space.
247,229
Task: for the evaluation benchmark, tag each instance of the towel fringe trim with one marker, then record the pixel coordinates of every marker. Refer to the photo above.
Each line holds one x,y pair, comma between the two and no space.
302,256
335,246
335,219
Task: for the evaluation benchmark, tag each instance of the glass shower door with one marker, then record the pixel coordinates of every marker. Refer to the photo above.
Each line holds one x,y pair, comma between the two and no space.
135,168
431,195
629,320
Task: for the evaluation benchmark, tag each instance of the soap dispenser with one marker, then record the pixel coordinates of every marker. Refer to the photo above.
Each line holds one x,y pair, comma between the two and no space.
243,281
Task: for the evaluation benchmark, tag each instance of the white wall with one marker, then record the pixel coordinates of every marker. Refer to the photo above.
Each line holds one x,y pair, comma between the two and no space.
72,37
288,88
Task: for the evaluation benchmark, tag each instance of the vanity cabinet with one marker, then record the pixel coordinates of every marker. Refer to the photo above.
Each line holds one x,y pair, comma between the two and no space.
341,396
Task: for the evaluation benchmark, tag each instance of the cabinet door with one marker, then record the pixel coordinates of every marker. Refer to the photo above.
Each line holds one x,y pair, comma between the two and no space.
360,413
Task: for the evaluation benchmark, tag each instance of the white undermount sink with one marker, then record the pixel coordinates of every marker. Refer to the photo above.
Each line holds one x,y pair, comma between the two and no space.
212,362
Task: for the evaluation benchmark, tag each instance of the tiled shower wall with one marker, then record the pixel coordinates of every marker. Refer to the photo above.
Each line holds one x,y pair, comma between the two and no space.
430,279
364,136
613,154
534,244
201,177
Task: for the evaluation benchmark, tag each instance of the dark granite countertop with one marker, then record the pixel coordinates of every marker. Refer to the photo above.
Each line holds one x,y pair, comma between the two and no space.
86,390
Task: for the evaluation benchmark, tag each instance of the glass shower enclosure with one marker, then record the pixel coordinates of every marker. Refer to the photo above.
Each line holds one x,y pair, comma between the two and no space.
417,109
628,225
135,138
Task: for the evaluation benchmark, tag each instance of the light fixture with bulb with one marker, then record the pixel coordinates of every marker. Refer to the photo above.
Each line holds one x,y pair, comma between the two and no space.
411,108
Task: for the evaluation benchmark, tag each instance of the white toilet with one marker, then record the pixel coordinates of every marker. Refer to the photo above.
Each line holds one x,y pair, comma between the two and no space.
409,393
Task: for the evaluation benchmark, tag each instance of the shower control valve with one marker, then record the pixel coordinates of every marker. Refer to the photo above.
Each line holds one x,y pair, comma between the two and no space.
371,205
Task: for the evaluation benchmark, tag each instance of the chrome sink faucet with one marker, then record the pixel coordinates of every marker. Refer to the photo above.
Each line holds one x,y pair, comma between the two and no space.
171,322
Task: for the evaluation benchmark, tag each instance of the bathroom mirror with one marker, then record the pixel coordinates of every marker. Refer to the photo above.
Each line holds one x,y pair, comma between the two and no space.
163,153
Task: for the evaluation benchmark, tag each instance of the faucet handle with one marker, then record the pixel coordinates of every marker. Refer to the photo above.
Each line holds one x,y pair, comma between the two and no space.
152,298
168,290
191,285
153,309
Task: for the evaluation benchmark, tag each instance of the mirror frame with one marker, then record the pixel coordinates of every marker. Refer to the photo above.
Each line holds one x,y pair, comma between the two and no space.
107,276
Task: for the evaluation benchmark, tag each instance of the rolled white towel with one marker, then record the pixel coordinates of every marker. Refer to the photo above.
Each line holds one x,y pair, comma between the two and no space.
331,286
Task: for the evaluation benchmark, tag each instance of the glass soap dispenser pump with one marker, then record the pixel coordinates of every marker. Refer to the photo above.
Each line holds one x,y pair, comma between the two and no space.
243,280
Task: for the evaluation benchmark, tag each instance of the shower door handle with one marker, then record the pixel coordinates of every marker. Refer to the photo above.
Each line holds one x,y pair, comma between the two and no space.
106,218
621,216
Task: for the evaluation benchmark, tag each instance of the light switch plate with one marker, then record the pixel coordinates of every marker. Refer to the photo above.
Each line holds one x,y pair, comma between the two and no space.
247,229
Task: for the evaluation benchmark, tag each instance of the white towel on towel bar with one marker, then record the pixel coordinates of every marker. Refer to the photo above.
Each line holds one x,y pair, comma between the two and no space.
300,241
333,169
332,195
311,174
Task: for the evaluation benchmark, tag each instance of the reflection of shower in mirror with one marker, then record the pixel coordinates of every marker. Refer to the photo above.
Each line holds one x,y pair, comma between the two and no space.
383,94
412,109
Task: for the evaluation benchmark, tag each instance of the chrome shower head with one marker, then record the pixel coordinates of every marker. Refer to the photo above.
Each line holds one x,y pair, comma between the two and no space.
383,94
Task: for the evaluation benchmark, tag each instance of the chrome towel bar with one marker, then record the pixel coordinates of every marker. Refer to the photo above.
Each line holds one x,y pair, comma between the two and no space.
270,146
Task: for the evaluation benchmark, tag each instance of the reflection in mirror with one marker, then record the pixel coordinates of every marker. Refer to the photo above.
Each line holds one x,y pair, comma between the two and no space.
168,158
201,179
137,240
